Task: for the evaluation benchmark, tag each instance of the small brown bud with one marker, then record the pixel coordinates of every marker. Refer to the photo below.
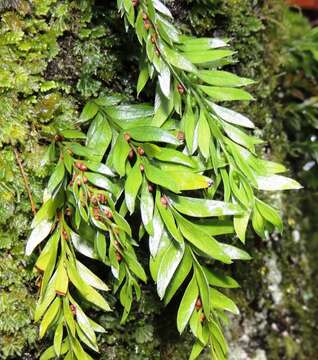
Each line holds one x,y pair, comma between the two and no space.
202,317
142,168
127,137
140,151
150,187
153,38
108,214
180,89
147,24
83,167
118,256
85,180
144,16
131,154
94,200
71,183
78,165
135,3
68,211
198,304
73,309
101,198
157,52
58,138
64,234
164,201
180,135
79,182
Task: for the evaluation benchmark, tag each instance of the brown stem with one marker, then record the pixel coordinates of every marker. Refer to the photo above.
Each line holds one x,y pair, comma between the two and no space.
25,179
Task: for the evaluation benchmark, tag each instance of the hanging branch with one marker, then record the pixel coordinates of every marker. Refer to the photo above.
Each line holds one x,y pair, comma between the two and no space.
184,166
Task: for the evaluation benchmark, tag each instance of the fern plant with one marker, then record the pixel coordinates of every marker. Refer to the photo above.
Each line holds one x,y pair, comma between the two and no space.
186,167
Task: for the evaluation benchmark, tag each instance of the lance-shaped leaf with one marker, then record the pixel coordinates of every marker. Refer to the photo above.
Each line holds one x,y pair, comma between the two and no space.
120,154
223,78
187,304
162,178
188,180
221,301
38,234
61,282
169,155
234,252
205,243
202,207
219,280
132,187
190,43
89,111
90,278
169,263
99,136
269,214
146,207
225,93
152,133
179,276
57,177
276,183
58,337
232,117
49,316
204,56
102,182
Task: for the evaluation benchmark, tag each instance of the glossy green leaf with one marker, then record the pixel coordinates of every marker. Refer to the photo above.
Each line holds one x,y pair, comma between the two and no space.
49,316
204,135
120,154
203,56
223,78
276,183
90,278
162,178
270,214
187,304
220,301
232,117
99,136
58,337
219,280
225,93
132,187
202,207
38,234
152,133
89,111
146,207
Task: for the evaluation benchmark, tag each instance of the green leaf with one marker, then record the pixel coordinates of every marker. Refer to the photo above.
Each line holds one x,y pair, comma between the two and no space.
176,59
146,207
220,301
188,180
68,316
142,78
168,219
204,135
269,214
189,122
129,113
205,243
162,178
99,168
57,177
38,234
240,225
168,265
132,186
85,325
99,136
276,183
204,56
202,207
135,266
89,111
215,226
120,154
90,278
58,337
100,242
225,93
223,78
101,181
187,305
219,280
164,79
234,252
61,282
154,240
190,43
49,316
232,117
73,134
179,276
203,288
152,133
169,155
